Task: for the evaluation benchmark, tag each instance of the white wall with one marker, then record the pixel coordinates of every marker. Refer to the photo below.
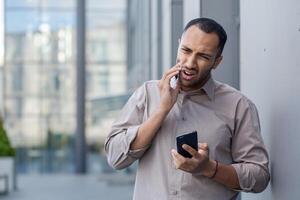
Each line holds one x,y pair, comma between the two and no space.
270,76
191,10
227,14
166,35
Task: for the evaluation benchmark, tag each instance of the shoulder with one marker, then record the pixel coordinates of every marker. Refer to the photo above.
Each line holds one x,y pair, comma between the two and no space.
144,90
229,96
223,90
150,87
152,84
146,85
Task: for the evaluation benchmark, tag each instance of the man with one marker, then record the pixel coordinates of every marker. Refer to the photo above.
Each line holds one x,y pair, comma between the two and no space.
231,155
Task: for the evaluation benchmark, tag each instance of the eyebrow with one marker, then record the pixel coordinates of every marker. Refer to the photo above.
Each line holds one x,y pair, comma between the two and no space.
198,53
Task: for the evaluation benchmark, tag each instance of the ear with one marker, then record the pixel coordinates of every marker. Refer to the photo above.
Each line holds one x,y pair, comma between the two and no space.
217,61
179,40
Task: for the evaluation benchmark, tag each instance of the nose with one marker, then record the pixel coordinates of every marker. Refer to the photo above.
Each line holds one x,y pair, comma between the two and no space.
190,62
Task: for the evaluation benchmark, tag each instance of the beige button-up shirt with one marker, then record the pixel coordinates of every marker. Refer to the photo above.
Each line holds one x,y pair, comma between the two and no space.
223,118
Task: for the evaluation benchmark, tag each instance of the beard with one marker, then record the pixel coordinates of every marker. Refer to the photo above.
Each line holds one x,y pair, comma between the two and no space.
197,83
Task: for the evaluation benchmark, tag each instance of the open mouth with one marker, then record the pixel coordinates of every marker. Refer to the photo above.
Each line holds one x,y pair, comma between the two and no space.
188,75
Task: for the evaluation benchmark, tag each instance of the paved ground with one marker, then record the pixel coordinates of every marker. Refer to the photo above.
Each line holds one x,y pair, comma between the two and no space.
74,187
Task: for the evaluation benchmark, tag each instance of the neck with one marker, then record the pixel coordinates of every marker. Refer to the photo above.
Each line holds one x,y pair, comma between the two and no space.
197,86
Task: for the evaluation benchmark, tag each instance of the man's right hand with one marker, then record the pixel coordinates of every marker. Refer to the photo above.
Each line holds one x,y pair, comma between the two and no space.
168,95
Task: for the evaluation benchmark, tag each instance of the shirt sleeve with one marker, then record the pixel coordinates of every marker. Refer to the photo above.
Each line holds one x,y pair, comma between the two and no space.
248,150
124,130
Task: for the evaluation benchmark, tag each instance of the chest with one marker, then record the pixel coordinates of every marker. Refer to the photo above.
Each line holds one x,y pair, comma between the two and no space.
213,127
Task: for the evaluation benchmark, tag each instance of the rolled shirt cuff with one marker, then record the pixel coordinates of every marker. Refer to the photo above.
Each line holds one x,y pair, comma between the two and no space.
252,178
130,136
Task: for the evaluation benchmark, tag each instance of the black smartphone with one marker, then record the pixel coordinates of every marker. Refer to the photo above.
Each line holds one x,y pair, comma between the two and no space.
190,139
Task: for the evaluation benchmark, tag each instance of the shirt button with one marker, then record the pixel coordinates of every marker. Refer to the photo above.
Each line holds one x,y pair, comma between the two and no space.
183,118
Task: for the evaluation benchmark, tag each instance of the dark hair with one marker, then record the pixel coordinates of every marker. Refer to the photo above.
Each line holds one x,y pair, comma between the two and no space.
210,26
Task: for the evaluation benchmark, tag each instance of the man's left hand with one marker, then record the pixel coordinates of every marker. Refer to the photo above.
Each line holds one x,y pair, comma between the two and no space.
199,163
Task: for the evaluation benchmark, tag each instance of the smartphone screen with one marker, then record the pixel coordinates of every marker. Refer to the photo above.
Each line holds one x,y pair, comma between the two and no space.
190,139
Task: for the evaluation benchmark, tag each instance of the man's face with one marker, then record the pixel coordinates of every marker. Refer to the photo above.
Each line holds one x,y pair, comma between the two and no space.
197,55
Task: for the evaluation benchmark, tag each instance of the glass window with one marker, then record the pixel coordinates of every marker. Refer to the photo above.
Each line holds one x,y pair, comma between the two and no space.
106,72
39,77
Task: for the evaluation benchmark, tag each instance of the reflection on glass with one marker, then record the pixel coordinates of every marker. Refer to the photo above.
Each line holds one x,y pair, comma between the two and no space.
106,72
39,76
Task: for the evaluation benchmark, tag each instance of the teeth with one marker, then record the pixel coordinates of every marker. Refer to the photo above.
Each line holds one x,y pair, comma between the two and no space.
187,73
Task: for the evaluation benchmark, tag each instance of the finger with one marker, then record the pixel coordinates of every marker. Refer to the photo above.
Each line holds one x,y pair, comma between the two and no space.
179,158
166,82
172,69
168,78
203,149
176,162
190,149
177,65
203,146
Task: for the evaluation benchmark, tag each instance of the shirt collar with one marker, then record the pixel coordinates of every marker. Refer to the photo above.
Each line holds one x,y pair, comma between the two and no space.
208,88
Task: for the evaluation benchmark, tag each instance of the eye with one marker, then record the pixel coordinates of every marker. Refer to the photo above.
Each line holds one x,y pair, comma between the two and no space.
204,57
185,50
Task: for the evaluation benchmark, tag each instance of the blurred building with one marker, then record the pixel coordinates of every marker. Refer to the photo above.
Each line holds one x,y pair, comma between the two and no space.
39,75
39,84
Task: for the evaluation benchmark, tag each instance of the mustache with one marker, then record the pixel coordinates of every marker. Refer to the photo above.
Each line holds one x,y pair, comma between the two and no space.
184,67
